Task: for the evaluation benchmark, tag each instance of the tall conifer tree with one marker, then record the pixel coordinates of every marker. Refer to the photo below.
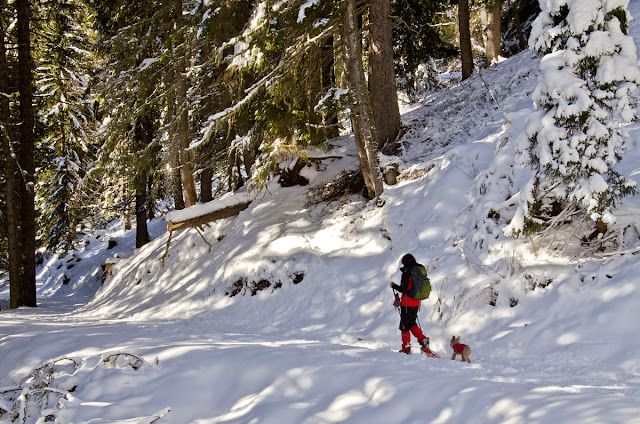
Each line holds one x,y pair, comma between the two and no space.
66,115
23,281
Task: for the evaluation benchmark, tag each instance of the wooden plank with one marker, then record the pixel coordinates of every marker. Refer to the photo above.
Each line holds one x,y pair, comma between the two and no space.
211,216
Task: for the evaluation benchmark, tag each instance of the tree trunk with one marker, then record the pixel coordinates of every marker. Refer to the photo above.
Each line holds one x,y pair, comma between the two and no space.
492,31
11,173
338,65
23,288
142,233
205,152
174,154
234,163
329,80
361,119
206,188
126,218
314,90
143,138
382,80
150,212
465,39
173,159
250,152
186,156
176,183
516,17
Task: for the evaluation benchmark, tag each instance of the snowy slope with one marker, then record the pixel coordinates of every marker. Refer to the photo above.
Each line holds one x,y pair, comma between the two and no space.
554,332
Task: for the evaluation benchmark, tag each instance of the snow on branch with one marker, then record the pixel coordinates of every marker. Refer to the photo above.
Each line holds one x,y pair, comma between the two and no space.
122,360
293,52
586,94
39,396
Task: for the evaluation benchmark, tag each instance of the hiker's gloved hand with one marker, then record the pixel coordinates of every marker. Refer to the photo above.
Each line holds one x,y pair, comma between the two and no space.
391,284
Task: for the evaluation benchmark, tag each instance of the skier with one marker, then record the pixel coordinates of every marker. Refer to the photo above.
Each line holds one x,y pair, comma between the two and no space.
409,308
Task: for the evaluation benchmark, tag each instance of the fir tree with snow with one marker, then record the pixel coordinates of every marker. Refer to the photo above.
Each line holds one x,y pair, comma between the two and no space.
585,95
66,118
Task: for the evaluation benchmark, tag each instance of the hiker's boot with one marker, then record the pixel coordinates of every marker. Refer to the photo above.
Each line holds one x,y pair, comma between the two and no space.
425,344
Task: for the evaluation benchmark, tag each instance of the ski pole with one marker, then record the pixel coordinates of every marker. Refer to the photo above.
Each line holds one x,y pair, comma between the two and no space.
398,302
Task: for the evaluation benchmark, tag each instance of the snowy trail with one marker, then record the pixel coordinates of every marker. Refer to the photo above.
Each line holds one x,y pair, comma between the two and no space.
207,375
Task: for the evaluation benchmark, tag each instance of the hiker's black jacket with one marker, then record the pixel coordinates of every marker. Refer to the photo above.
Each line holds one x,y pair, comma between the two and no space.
405,285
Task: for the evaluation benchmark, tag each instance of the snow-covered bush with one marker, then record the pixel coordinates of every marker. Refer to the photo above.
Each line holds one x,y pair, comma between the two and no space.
586,93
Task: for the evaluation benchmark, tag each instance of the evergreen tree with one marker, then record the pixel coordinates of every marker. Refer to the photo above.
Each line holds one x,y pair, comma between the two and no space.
8,214
362,123
134,46
417,41
22,267
268,83
586,91
519,14
66,117
216,84
276,57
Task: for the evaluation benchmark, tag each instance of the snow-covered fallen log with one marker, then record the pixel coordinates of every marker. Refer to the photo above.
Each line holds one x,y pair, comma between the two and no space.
196,216
229,205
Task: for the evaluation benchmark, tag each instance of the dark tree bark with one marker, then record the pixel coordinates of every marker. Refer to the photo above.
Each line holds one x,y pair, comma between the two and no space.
492,31
174,158
150,212
176,184
206,188
328,80
361,115
23,285
142,233
465,39
185,155
206,109
143,138
314,90
171,79
382,79
182,126
250,152
12,175
516,17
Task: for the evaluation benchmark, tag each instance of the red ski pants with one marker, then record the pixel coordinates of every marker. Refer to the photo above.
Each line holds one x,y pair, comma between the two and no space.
408,326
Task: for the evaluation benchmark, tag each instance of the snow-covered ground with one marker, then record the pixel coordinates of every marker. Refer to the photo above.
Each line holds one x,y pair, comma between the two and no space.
554,331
